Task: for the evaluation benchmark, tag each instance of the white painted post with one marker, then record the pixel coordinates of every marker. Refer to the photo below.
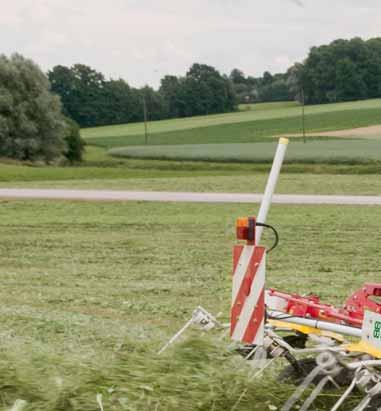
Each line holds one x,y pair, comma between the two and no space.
271,184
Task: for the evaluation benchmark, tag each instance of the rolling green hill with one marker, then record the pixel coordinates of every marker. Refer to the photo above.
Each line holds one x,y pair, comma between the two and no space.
259,121
250,131
225,137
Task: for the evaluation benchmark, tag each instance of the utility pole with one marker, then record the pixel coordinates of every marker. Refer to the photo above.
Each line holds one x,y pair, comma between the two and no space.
303,116
145,119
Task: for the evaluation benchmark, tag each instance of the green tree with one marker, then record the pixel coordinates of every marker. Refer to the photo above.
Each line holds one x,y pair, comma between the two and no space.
275,90
295,81
74,144
372,74
171,90
120,104
267,78
156,106
82,90
32,126
63,83
237,76
245,89
343,70
349,81
206,91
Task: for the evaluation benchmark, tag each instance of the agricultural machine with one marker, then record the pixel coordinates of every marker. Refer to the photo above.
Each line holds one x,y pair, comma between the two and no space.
326,346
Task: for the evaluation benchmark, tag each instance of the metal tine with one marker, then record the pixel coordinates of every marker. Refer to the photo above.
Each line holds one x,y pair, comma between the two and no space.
251,353
176,336
262,369
314,394
364,403
346,394
260,360
371,392
301,388
202,318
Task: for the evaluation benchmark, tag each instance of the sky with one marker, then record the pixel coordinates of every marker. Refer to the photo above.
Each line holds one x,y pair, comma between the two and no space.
143,40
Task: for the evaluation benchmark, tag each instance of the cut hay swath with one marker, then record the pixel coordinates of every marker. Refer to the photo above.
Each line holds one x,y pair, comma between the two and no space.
275,324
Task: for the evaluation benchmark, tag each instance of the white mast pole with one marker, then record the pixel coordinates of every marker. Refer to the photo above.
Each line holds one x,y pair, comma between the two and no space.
271,184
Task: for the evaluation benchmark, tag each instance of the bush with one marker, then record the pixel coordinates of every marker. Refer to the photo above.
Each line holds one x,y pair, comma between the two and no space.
75,144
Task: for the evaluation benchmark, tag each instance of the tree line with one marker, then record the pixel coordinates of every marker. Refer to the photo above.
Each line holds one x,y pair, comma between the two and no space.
91,100
40,113
343,70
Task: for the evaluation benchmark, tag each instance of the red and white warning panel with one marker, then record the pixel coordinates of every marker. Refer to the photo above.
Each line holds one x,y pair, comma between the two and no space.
248,291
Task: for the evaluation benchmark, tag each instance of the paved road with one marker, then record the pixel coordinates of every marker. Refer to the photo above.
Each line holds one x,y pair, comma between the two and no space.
108,195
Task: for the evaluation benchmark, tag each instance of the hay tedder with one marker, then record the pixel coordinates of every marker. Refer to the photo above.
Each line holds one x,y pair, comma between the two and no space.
326,346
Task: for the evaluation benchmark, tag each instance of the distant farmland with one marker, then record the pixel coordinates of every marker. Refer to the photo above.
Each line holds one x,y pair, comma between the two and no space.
254,125
338,151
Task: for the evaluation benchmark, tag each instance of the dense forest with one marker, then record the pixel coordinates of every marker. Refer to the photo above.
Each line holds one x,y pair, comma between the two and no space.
90,99
341,71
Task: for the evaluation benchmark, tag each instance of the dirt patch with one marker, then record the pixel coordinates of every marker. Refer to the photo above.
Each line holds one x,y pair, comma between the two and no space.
362,132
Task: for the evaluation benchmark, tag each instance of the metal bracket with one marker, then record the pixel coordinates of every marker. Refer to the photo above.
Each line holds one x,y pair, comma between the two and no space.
200,317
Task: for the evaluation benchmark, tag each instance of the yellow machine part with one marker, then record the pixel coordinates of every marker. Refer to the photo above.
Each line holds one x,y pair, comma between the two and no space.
363,347
358,347
304,329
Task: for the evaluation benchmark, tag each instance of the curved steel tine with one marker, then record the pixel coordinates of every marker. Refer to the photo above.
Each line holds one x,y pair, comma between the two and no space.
363,404
176,336
346,394
371,392
301,388
260,358
315,393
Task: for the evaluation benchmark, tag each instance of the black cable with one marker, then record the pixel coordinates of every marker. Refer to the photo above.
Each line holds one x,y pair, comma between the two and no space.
275,233
282,316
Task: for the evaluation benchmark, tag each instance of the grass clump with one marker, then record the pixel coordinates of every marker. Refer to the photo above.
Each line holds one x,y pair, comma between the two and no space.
197,374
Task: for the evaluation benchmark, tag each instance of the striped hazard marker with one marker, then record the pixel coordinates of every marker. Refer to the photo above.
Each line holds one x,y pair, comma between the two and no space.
248,294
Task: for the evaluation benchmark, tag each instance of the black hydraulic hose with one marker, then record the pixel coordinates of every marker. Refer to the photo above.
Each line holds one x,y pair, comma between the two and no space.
276,242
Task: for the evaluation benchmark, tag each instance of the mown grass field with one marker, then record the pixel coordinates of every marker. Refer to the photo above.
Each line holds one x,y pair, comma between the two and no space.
290,183
103,172
339,151
91,290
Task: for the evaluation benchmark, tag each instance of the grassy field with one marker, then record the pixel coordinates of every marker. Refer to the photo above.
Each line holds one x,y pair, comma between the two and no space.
268,106
263,112
98,166
224,137
103,172
90,291
327,152
246,132
290,183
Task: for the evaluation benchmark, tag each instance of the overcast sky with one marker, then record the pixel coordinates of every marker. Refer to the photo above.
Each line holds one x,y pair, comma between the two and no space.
142,40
